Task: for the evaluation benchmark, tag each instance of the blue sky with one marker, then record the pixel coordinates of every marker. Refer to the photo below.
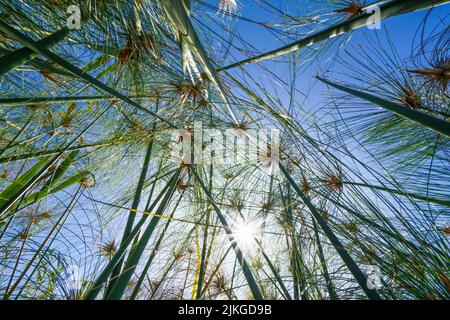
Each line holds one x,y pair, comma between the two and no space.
401,30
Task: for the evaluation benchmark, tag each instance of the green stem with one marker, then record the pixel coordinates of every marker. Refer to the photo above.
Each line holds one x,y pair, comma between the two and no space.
401,193
388,9
136,253
38,48
431,122
239,256
21,56
338,246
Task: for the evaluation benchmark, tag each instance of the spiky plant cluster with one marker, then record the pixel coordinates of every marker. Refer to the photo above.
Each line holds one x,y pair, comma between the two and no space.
351,8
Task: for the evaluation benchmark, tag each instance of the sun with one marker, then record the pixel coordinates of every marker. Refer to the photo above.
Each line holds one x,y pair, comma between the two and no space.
246,233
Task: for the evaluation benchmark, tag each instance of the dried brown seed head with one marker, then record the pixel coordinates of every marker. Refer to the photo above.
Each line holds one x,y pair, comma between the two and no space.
409,97
334,182
352,8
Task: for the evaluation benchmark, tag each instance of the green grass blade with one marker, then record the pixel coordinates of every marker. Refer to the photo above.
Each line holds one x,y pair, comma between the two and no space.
106,272
18,187
43,153
21,56
51,186
121,283
49,100
277,276
134,206
326,274
153,254
431,122
411,195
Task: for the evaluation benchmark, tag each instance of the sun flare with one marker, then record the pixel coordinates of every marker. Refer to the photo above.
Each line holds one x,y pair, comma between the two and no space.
246,233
